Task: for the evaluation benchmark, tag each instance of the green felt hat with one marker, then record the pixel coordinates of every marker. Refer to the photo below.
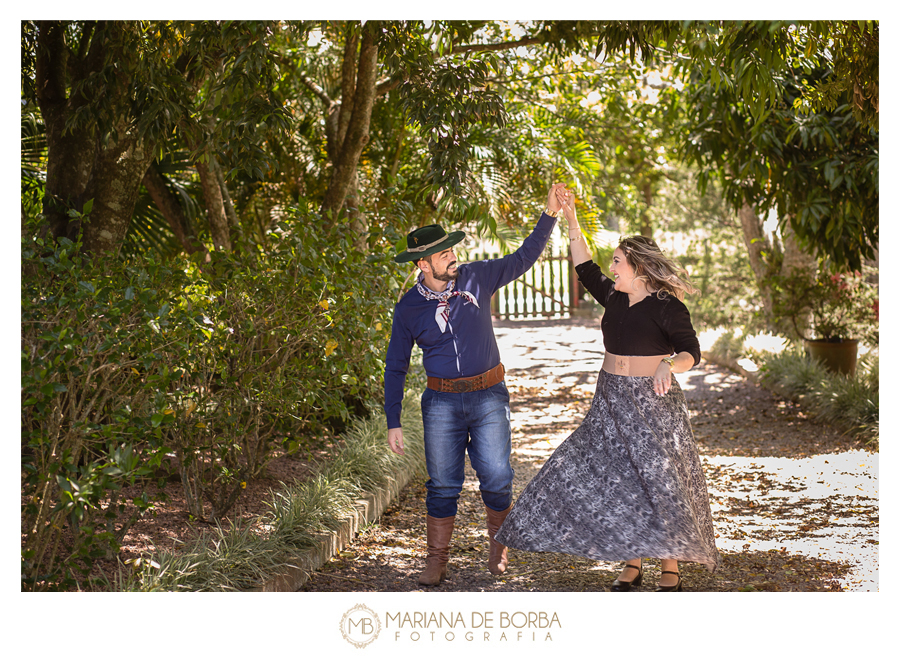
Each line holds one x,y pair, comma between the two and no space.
427,240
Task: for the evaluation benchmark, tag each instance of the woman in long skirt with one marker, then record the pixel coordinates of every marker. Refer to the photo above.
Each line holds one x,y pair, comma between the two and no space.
627,483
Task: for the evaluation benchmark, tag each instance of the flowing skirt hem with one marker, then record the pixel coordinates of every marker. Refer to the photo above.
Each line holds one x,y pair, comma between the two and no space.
627,482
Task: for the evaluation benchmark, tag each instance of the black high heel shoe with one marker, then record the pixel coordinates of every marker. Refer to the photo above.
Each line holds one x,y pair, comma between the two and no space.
619,586
671,588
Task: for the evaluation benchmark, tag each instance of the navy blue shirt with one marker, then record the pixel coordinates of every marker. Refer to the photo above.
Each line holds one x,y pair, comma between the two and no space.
651,327
468,346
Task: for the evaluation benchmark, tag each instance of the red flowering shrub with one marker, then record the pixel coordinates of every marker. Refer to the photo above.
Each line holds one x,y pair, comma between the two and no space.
834,307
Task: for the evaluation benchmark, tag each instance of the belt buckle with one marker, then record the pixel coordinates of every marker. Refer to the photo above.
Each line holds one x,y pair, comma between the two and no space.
621,364
463,385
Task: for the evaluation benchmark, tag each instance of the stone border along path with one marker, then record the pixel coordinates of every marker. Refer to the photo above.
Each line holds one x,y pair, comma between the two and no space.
821,507
368,508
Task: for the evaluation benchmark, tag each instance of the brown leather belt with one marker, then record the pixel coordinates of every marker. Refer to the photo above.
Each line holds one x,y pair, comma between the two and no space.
468,384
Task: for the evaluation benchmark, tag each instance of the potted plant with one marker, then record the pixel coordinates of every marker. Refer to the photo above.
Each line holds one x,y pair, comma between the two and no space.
831,313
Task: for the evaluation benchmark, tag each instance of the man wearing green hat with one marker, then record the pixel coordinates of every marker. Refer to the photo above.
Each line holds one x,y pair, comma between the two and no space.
465,407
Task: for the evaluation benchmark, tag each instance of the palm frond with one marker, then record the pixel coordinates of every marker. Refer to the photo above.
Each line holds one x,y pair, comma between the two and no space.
148,231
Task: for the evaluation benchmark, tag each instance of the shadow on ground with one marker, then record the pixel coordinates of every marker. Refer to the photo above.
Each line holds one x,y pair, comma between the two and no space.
388,555
795,502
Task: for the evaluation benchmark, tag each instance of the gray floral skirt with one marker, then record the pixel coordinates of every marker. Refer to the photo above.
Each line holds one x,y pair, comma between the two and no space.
626,484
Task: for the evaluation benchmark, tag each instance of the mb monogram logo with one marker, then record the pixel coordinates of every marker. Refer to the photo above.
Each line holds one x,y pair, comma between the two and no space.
360,626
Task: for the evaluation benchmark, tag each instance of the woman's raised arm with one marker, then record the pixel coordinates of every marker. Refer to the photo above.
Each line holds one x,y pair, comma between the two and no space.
577,244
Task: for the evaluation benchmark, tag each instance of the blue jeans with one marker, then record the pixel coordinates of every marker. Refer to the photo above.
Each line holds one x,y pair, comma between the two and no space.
477,421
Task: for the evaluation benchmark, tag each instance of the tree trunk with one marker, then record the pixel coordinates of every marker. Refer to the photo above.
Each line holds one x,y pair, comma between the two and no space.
215,207
226,198
115,187
71,154
756,241
757,244
395,165
79,167
168,205
348,89
768,259
794,257
358,225
357,114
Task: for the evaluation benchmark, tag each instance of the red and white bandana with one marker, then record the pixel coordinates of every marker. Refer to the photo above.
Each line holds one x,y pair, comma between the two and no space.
442,314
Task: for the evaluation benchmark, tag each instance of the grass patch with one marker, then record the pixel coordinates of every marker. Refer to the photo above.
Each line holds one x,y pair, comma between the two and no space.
849,402
241,557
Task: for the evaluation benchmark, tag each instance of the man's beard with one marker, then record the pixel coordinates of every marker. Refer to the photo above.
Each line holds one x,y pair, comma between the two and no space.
445,275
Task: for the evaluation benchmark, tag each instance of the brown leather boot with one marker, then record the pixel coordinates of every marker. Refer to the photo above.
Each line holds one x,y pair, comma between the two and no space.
497,558
439,532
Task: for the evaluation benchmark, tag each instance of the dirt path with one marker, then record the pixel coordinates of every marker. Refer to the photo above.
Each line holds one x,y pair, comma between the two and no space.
794,503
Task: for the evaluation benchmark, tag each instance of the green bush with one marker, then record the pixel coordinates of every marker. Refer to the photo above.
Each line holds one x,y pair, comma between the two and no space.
729,347
243,556
792,372
850,402
128,367
835,306
92,394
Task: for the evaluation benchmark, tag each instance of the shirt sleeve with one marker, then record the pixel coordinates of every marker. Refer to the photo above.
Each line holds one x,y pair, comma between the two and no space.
595,281
396,365
680,330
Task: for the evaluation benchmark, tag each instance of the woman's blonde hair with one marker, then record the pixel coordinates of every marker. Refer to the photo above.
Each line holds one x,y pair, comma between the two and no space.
654,269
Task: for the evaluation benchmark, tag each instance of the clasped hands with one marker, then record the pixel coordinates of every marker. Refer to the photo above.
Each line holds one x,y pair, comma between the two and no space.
560,198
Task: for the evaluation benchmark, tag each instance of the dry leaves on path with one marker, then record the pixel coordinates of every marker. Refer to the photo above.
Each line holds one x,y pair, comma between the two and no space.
795,503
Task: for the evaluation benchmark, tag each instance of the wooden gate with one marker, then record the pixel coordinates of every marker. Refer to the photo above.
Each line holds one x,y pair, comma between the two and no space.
548,290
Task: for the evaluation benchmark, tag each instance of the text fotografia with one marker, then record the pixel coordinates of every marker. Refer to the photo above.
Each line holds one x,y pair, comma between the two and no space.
479,626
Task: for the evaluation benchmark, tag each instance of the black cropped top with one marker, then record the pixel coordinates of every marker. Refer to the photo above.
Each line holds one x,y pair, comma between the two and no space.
650,327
